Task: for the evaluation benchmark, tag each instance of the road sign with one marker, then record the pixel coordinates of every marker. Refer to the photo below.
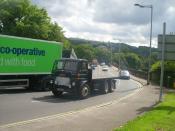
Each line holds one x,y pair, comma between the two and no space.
169,46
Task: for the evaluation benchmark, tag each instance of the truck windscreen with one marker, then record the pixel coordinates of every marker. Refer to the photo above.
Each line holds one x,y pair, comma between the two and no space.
67,65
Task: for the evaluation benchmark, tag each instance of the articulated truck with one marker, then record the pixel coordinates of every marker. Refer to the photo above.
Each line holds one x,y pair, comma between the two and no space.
27,62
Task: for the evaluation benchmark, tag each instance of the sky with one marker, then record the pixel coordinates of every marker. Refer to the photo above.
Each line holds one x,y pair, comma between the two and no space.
111,20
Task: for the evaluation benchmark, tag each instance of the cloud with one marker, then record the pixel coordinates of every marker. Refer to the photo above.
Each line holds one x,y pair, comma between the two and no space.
119,12
124,11
112,19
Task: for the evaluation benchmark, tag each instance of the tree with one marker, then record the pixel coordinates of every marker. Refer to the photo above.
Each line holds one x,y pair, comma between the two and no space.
56,33
85,51
21,18
133,60
123,62
102,55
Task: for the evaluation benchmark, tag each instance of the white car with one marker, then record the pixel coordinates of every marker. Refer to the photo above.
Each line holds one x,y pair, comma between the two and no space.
102,64
124,74
105,68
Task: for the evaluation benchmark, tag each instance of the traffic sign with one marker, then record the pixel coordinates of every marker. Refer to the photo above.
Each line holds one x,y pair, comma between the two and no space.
169,46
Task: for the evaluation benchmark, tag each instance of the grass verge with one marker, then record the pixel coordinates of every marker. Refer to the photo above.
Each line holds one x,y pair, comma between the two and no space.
160,118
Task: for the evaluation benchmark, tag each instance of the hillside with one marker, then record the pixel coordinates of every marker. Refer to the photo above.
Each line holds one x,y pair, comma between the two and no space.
141,50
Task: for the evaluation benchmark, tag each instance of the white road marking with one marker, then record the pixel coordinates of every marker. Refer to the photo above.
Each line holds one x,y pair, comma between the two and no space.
34,101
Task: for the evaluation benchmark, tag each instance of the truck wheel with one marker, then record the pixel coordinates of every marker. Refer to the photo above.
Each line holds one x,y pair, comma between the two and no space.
57,93
112,86
105,87
84,91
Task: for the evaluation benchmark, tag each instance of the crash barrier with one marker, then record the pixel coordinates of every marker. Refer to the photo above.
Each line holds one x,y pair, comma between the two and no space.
137,73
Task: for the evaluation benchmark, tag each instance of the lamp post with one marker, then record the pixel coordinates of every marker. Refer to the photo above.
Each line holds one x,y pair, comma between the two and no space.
110,52
149,64
119,63
119,52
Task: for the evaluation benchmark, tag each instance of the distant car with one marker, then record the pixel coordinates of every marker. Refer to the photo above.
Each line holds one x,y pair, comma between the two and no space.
124,74
102,64
93,66
105,68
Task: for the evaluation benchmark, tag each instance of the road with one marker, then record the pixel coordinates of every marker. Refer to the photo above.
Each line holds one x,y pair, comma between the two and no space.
98,73
19,105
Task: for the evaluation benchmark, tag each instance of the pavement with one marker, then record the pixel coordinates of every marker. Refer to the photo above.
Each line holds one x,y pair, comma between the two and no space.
104,117
142,81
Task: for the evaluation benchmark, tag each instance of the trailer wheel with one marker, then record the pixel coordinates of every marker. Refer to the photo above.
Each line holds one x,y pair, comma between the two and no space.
105,87
84,91
112,86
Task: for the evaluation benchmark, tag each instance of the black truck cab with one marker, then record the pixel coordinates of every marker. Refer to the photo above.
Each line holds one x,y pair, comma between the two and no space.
71,75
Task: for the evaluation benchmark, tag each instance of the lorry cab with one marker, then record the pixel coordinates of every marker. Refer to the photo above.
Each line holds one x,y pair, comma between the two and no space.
71,75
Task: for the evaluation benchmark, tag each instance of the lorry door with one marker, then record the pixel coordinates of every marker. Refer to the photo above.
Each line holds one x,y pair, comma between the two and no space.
83,70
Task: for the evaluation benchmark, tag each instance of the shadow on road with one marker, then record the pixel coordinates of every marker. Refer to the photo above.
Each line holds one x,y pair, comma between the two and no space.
14,91
52,99
145,109
18,90
66,97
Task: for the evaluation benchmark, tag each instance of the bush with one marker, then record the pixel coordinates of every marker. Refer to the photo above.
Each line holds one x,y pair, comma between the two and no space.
169,73
168,66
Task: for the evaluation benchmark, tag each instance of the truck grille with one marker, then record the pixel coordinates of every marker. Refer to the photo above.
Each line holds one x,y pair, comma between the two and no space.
63,81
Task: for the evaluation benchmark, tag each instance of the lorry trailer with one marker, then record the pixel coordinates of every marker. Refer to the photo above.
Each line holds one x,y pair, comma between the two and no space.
27,62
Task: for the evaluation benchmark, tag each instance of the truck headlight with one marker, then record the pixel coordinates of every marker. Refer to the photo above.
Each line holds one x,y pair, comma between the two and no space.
51,81
55,82
73,83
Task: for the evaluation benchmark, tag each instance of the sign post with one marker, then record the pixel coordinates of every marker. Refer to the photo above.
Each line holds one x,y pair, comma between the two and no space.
166,46
162,62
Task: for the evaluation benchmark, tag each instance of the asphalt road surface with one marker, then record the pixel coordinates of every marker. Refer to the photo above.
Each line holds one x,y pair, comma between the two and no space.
98,72
19,105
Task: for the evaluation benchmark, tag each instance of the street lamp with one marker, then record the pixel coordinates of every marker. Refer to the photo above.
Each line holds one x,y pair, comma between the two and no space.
149,64
110,52
119,52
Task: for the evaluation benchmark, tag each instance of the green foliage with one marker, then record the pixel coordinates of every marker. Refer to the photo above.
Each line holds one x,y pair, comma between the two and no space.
169,73
168,66
21,18
103,55
85,52
133,60
160,118
145,60
128,60
123,62
131,57
55,33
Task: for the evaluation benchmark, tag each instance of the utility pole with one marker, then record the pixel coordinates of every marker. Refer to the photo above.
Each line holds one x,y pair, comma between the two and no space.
149,64
119,56
111,52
